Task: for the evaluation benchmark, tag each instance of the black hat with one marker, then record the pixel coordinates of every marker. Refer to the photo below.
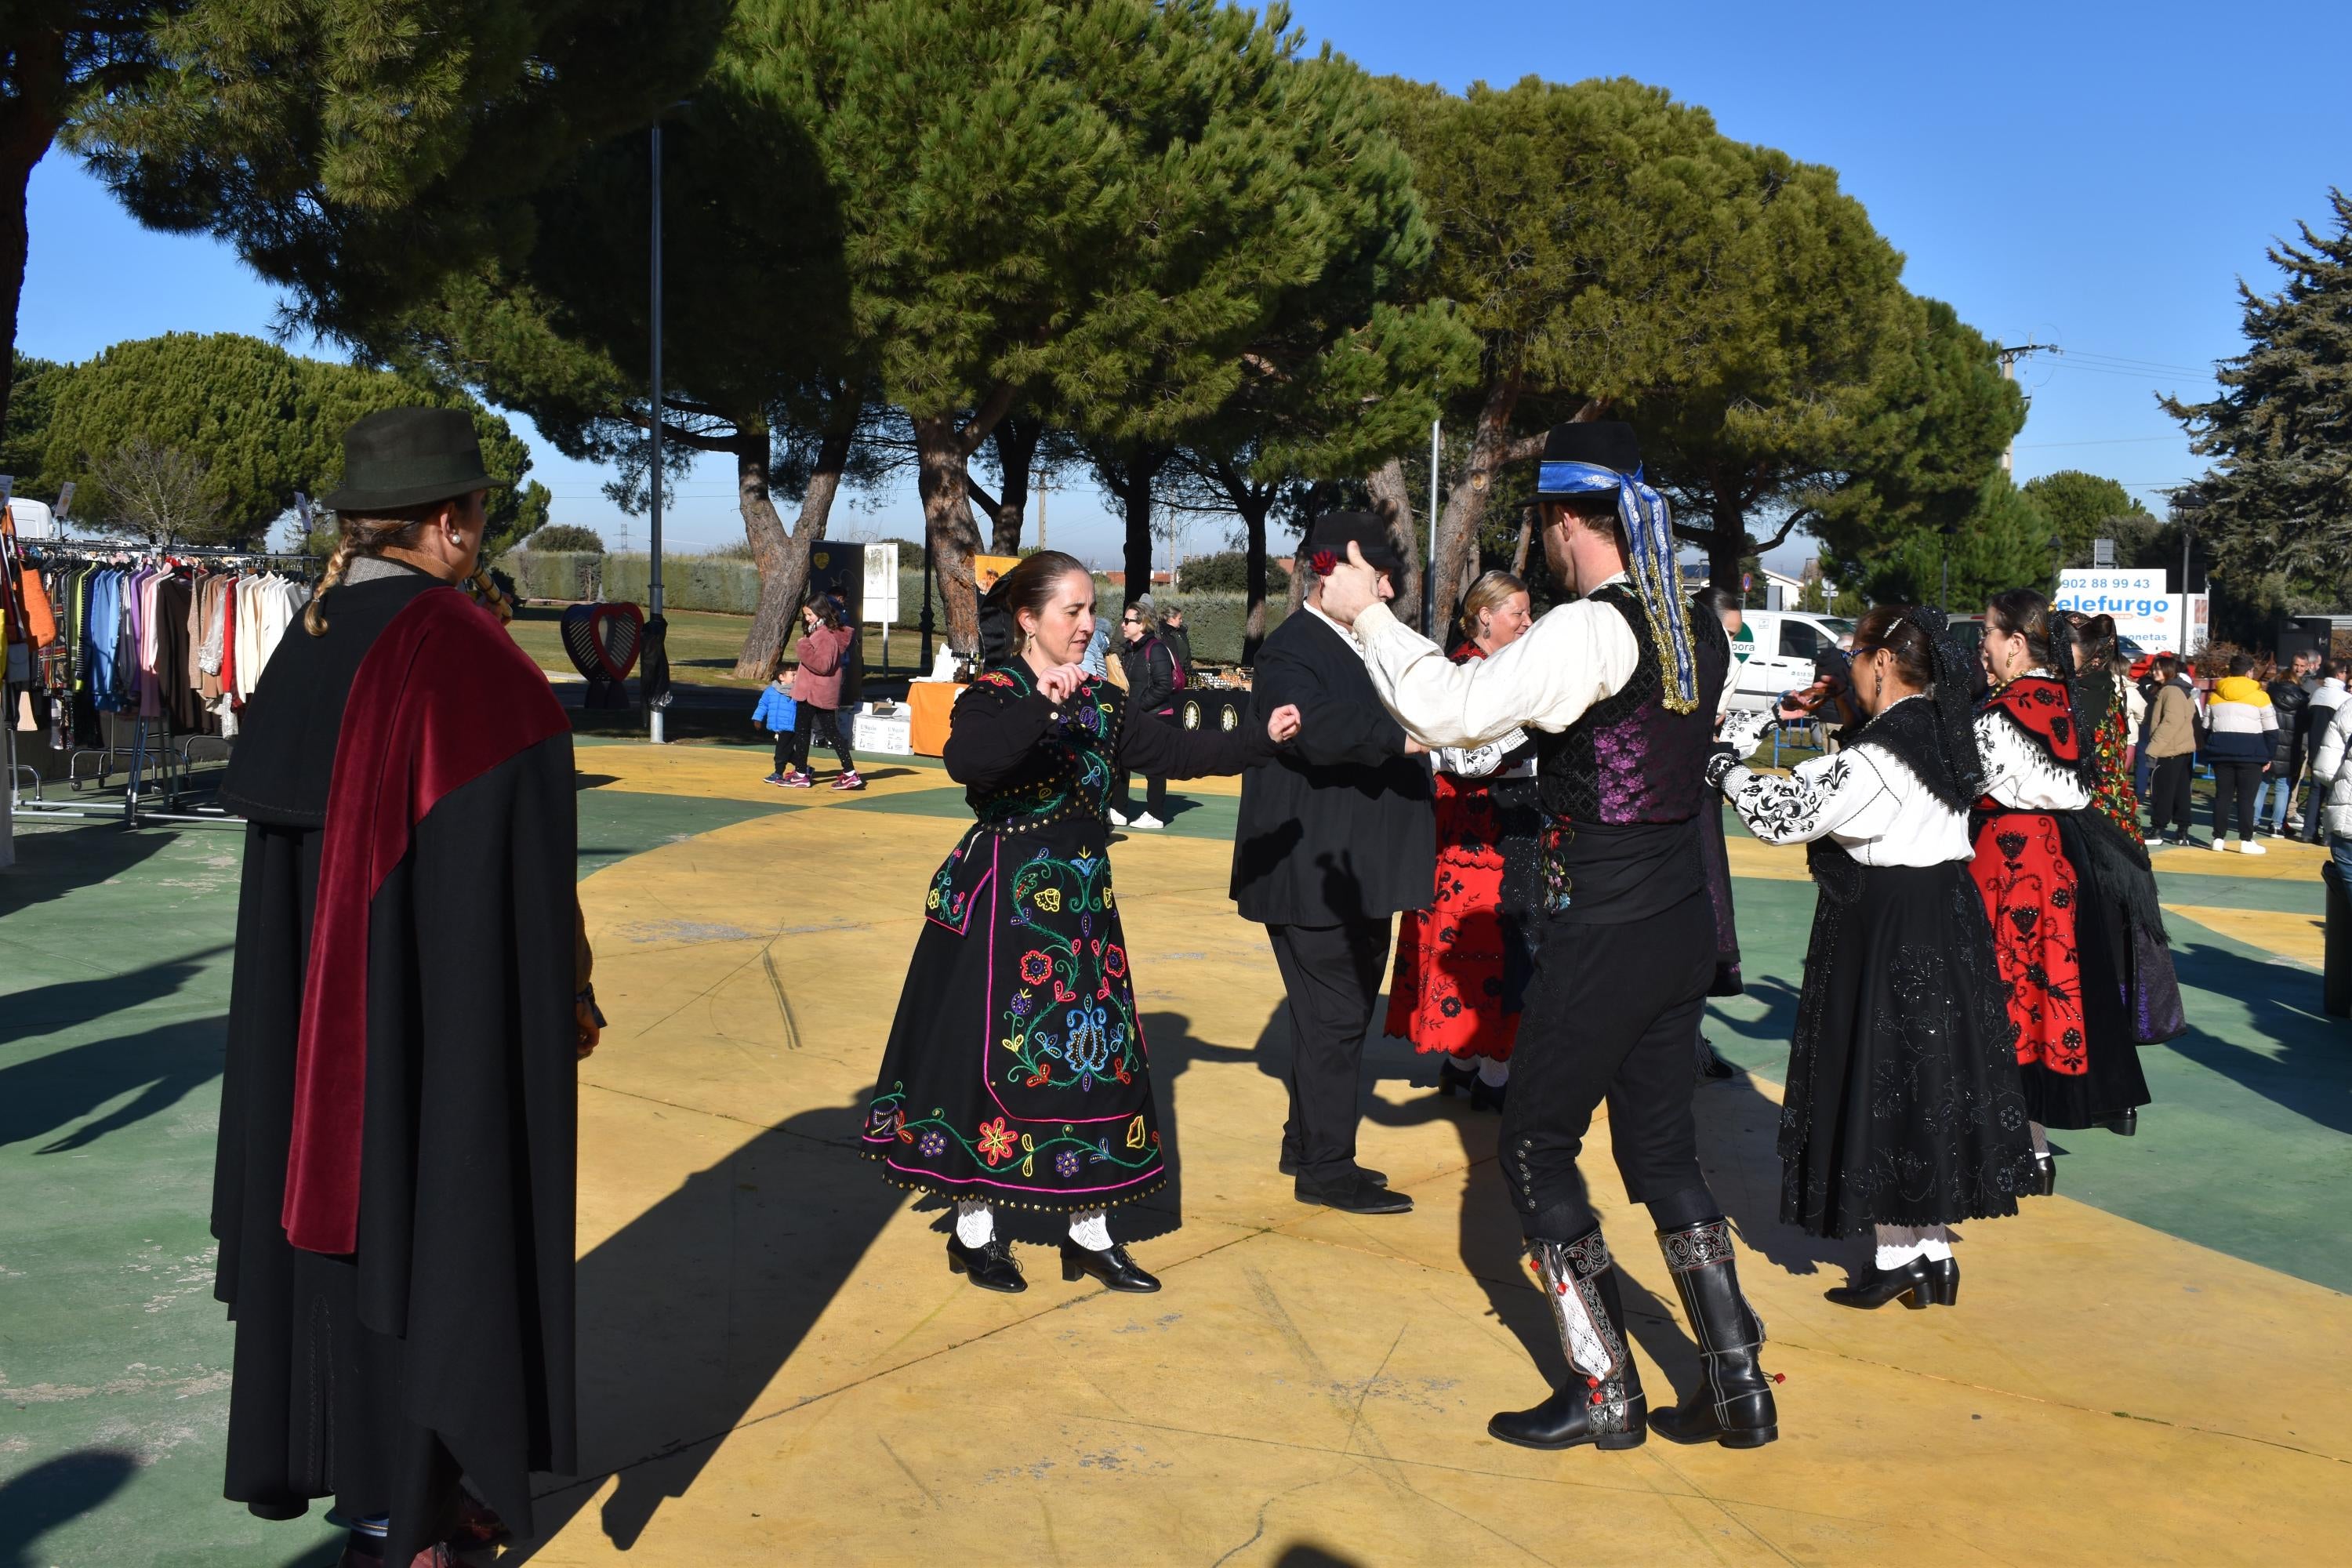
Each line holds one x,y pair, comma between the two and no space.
407,456
1335,531
1607,443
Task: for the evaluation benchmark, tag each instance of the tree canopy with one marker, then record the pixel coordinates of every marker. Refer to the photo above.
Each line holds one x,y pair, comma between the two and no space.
255,423
2278,497
2083,507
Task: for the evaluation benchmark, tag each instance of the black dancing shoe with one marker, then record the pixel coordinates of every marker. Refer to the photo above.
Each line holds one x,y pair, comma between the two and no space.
2046,1174
1733,1403
1485,1096
1357,1192
991,1267
1944,1276
1452,1077
1914,1284
1112,1265
1288,1166
2124,1123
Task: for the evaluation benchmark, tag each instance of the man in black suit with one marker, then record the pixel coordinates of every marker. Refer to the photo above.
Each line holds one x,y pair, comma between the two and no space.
1337,835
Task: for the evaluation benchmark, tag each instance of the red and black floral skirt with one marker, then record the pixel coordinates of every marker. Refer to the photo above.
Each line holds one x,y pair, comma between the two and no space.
2075,1047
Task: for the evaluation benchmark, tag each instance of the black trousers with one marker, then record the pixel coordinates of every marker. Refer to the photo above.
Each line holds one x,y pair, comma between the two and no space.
2169,804
2235,784
1611,1016
827,721
1332,976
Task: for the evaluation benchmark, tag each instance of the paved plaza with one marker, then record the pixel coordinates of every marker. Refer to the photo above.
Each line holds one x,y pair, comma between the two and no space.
776,1366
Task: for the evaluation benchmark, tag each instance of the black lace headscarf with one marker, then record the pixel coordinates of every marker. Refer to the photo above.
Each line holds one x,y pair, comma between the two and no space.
1943,730
1955,699
2017,608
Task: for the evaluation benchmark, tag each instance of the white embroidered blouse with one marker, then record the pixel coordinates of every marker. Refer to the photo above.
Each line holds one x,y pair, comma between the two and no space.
2019,773
1864,797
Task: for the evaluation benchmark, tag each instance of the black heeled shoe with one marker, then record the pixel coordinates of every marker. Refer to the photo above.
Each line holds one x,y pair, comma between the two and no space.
2046,1174
991,1267
2124,1123
1913,1283
1452,1077
1112,1265
1485,1096
1943,1280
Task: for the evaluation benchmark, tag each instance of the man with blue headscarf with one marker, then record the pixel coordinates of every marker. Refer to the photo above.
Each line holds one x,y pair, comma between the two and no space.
1620,687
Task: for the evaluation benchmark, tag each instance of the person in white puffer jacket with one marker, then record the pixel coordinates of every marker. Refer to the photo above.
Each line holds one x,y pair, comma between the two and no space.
2330,753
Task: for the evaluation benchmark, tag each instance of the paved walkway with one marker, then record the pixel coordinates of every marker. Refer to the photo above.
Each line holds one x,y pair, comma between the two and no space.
776,1366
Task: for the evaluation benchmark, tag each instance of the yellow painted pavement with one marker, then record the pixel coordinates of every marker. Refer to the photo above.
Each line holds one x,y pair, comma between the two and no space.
777,1367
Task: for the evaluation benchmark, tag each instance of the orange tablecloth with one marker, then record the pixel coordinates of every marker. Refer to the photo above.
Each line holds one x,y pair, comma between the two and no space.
928,705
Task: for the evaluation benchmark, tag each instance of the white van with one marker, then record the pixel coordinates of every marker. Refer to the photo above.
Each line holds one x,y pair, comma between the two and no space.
1775,650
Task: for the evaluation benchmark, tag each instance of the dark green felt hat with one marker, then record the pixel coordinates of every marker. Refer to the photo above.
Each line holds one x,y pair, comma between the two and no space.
408,456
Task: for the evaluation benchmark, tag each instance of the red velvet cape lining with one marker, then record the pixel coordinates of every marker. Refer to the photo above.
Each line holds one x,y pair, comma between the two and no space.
443,697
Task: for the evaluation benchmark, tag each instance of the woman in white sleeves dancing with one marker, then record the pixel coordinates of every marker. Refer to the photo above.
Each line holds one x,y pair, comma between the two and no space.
1903,1113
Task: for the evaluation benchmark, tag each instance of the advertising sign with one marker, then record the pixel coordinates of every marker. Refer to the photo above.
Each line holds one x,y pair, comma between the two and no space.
882,583
2143,612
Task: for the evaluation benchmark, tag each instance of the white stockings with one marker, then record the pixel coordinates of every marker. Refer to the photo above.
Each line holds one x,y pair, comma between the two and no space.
975,1226
1899,1243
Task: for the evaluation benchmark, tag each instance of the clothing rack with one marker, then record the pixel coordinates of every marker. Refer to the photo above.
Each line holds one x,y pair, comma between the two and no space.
172,781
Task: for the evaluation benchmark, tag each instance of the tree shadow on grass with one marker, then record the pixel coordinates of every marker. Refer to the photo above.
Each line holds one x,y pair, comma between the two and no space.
165,1064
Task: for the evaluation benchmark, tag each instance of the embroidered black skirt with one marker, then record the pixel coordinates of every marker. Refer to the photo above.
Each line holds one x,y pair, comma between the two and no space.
1902,1104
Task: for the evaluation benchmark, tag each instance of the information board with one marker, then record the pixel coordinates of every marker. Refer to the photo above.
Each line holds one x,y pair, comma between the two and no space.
2143,611
882,583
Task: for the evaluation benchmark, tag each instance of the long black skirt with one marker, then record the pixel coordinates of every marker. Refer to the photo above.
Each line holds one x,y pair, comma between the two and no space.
1903,1105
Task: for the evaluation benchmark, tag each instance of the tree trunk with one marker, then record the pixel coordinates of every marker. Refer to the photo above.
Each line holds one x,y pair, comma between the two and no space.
1130,476
940,455
1726,544
1465,500
1253,573
1392,500
1016,454
1526,537
29,123
783,559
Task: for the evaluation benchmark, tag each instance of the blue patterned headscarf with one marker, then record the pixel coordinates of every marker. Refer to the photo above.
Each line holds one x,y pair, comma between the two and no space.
1649,560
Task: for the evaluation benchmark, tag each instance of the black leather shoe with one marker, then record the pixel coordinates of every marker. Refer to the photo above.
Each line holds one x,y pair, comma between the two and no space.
1733,1403
2124,1123
1357,1193
1711,1063
1944,1276
992,1267
1607,1413
1452,1077
1485,1096
1289,1167
1112,1265
1914,1284
2046,1174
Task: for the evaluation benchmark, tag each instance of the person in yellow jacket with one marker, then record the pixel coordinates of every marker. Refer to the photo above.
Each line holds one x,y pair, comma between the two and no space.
2241,732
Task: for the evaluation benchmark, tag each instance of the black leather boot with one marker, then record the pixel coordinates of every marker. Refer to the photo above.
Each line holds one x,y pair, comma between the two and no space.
1733,1403
1600,1402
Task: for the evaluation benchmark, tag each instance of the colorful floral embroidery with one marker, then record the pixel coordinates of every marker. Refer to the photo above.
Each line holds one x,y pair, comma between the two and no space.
995,1141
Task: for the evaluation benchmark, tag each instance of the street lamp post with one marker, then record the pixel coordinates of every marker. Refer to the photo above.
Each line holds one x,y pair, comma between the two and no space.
656,626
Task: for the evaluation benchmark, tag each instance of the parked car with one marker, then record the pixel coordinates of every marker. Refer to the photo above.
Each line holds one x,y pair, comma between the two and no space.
1778,648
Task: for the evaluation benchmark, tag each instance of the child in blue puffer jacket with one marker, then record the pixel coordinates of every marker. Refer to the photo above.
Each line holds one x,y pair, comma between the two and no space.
780,714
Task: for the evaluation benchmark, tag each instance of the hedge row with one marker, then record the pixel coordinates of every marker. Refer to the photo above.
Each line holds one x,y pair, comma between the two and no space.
731,587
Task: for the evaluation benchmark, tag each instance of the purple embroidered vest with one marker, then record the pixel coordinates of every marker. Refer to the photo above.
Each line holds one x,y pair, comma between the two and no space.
1630,759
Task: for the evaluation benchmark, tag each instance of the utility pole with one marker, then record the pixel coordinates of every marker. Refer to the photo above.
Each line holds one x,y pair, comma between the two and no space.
654,578
1428,592
1041,514
2009,358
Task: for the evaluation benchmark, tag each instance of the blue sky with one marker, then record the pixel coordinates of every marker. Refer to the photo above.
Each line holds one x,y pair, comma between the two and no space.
2091,176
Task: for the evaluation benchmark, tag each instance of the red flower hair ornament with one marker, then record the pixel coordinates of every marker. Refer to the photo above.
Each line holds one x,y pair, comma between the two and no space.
1324,562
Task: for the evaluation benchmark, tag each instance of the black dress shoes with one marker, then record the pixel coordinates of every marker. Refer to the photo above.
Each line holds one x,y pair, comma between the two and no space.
2046,1174
1711,1063
1289,1167
1357,1192
1112,1265
1914,1284
991,1267
1485,1096
2124,1123
1944,1274
1452,1077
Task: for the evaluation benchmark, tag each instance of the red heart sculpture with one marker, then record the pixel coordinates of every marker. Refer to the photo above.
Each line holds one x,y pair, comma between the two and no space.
604,640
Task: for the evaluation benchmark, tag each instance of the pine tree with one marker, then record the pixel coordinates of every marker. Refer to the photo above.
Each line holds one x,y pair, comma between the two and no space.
2279,495
2083,508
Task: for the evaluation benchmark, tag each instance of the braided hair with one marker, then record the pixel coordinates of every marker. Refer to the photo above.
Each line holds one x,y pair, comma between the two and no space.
1929,658
399,529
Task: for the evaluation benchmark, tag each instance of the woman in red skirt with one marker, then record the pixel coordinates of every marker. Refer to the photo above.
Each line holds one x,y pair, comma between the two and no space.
2076,1050
1462,964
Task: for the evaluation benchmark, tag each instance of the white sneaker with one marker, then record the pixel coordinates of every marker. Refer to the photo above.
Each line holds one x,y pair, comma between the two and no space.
2218,845
1147,822
1117,817
2248,847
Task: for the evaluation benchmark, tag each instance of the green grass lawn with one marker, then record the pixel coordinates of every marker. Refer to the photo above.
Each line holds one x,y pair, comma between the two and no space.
702,645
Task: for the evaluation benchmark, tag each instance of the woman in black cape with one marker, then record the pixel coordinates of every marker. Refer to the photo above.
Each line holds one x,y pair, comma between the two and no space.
1903,1113
1016,1071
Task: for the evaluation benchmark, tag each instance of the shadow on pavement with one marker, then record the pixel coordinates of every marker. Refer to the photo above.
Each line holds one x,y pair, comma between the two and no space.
54,860
2311,1072
53,1493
